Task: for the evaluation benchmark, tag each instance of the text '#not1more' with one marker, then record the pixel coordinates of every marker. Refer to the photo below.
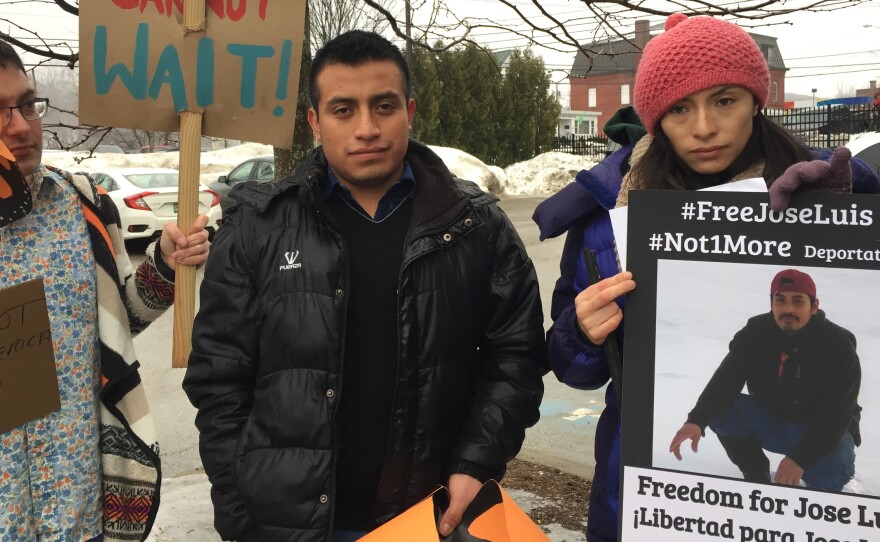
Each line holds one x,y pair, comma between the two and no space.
745,246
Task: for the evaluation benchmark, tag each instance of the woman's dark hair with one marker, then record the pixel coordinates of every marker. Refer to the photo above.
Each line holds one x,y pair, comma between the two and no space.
769,141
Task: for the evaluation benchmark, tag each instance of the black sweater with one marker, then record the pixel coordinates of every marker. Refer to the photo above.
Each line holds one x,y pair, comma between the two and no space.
369,367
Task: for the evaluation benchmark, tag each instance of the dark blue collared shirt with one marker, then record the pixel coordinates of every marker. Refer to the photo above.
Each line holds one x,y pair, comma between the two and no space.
404,188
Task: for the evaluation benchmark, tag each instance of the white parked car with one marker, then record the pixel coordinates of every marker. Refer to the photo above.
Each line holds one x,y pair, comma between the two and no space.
147,198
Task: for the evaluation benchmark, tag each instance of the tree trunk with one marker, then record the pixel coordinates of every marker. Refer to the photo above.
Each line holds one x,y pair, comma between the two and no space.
286,159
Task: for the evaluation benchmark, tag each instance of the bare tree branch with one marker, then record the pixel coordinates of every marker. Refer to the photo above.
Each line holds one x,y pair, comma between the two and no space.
540,28
329,18
392,21
67,7
439,28
71,59
610,19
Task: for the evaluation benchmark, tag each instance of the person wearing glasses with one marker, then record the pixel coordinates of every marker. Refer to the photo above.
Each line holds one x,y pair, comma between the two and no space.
90,470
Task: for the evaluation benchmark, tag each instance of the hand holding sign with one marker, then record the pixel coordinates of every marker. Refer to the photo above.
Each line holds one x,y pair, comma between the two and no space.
831,177
190,248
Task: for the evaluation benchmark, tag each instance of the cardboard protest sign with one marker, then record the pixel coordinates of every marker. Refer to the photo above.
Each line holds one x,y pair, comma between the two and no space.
704,264
492,516
140,70
213,67
28,383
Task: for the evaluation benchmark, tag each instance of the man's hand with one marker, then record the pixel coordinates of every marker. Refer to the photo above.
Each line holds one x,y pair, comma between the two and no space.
189,249
788,473
688,431
462,490
597,313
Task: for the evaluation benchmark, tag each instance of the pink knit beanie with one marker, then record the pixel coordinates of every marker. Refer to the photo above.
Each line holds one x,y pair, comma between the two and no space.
694,54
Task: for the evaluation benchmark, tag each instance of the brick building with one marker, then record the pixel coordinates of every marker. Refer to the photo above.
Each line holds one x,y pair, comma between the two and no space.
870,91
603,82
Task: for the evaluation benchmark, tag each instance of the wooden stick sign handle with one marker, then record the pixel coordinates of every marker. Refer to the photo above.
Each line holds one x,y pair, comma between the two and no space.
187,206
187,211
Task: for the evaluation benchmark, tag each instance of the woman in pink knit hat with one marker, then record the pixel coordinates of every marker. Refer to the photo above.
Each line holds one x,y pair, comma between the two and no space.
700,89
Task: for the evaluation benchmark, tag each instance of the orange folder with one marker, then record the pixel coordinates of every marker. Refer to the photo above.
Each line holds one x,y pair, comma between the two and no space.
15,196
492,517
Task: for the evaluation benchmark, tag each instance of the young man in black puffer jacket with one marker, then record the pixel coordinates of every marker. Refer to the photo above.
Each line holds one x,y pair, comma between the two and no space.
370,326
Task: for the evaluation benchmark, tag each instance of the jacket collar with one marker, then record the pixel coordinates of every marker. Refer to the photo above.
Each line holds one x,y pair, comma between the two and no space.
440,196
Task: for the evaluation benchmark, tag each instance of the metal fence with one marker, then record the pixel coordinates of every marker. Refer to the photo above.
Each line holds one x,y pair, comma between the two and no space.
827,126
593,147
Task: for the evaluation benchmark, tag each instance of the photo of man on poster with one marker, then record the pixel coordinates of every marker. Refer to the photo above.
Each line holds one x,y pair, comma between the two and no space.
751,355
802,375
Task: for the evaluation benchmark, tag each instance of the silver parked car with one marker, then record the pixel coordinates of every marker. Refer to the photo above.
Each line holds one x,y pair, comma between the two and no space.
260,169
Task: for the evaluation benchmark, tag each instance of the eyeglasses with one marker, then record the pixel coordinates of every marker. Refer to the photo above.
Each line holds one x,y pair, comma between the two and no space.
32,109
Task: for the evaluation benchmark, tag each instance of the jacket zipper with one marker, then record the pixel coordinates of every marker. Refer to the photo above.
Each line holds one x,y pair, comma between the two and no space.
401,355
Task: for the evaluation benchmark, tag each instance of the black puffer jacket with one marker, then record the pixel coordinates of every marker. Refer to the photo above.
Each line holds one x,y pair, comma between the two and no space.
269,338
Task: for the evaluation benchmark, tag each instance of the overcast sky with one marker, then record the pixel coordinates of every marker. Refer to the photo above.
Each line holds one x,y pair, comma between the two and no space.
813,44
837,43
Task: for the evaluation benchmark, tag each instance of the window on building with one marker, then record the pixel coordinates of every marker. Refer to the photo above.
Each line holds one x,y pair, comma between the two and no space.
591,97
775,91
624,94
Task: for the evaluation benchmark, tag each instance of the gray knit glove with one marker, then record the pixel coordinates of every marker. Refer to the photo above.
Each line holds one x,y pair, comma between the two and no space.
819,176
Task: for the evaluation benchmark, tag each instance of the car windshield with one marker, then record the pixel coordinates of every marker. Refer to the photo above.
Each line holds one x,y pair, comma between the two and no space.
153,180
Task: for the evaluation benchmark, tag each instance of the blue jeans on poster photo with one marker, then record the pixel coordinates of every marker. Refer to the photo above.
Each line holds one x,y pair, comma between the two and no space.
746,417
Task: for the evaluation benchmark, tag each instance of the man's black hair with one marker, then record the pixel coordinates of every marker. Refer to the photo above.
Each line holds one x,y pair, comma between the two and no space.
8,57
354,48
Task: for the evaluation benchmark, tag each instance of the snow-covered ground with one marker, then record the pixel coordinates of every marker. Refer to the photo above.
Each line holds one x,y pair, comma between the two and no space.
697,322
543,175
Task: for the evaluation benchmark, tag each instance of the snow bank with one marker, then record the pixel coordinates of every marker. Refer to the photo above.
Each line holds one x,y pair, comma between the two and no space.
471,168
544,174
541,176
212,163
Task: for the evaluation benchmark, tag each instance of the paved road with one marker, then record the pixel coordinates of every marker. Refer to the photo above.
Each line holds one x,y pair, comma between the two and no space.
562,439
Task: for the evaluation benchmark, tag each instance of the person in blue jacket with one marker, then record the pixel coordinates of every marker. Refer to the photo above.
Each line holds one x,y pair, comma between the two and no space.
699,92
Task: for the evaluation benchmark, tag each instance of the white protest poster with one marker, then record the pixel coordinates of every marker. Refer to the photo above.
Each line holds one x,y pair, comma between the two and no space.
619,215
704,264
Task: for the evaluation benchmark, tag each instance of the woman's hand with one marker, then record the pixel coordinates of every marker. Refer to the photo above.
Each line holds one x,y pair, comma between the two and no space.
831,177
597,313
